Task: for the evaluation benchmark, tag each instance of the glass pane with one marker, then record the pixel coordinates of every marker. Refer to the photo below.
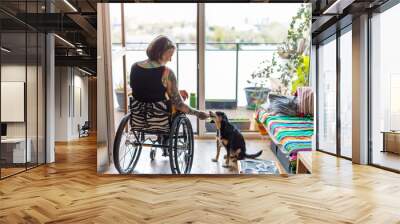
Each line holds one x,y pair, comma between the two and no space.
180,27
32,89
117,65
115,23
222,72
41,98
31,98
246,35
385,84
13,87
346,94
327,97
249,57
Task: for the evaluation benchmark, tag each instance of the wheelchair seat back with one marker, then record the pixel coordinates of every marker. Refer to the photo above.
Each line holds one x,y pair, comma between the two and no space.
150,117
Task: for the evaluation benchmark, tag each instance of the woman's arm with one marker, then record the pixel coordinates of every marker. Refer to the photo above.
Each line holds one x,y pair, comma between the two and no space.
173,93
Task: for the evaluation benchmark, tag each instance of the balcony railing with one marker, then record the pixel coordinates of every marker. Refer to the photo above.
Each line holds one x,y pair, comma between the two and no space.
226,47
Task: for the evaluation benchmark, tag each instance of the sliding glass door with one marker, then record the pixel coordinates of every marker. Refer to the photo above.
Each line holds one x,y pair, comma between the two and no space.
345,60
236,45
385,89
334,100
130,41
327,96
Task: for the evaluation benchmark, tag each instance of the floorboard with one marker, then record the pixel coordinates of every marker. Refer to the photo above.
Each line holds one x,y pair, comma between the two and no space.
70,191
386,159
205,151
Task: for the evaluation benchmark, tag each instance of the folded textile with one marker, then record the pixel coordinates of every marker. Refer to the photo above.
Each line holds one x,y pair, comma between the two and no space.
281,105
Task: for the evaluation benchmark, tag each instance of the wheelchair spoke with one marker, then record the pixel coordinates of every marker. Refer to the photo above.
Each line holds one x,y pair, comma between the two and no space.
127,147
128,150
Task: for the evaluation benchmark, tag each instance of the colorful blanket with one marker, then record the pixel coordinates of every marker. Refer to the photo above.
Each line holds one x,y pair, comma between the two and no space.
292,133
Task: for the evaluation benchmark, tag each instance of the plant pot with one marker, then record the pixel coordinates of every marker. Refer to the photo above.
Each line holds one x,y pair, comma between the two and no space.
255,96
120,99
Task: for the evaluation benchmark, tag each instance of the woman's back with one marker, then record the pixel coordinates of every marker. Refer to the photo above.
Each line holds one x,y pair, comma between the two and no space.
146,83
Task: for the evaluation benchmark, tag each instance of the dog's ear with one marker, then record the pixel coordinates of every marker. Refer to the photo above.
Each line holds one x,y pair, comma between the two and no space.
224,117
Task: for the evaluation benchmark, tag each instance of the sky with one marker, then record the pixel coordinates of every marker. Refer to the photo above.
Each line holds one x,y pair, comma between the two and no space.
216,13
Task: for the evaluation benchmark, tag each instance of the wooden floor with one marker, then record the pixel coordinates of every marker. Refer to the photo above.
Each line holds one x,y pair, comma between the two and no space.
386,159
70,191
5,172
10,171
204,151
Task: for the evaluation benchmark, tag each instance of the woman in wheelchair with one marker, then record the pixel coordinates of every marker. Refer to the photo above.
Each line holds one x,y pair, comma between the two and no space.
156,116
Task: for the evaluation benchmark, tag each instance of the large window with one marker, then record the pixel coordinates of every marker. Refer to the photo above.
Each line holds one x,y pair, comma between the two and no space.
130,46
236,44
327,96
385,89
346,93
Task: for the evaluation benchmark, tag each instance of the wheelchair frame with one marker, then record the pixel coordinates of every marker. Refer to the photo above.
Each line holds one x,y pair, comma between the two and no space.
166,141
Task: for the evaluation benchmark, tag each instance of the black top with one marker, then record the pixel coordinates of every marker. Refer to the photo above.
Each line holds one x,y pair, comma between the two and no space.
146,83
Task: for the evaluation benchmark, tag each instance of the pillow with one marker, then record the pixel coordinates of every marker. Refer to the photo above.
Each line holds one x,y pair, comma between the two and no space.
281,105
305,97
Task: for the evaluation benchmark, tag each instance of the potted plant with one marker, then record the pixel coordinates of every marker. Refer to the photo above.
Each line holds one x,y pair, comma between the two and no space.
120,94
293,55
256,95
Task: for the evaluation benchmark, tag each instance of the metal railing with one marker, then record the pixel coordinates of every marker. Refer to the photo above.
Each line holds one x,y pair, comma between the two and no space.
236,47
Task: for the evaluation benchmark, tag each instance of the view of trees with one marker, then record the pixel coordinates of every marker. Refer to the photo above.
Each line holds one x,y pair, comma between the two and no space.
273,32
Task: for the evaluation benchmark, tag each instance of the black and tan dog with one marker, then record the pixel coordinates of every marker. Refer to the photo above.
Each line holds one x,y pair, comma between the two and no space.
231,138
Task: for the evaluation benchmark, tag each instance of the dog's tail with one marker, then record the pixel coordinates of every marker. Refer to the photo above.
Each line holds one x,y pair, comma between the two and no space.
255,155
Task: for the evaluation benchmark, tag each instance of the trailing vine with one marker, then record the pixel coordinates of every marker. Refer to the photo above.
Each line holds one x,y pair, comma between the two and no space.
295,49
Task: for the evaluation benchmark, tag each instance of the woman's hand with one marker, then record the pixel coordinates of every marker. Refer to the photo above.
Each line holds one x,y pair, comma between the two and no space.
202,115
184,94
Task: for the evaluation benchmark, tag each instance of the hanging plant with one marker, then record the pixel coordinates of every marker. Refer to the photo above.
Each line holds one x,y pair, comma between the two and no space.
294,50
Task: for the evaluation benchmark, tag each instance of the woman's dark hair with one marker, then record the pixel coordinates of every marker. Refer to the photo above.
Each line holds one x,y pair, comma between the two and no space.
158,47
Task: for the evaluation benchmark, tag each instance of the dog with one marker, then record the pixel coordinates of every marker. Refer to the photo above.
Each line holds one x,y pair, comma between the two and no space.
231,138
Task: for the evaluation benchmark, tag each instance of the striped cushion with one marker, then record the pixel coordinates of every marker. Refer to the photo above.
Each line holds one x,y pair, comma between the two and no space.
150,117
294,134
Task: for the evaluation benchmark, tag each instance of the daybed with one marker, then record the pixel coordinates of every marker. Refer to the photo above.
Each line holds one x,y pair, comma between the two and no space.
289,134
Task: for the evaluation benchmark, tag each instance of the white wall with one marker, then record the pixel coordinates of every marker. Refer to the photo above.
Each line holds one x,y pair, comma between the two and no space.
12,73
33,126
70,83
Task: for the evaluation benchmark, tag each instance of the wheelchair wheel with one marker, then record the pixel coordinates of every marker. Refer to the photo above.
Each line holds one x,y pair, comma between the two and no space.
126,153
181,145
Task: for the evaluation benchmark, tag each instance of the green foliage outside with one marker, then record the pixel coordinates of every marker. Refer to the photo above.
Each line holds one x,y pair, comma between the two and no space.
303,71
295,53
273,32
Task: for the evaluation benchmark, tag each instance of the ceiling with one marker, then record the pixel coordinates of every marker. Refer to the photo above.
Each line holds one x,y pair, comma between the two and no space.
331,15
74,22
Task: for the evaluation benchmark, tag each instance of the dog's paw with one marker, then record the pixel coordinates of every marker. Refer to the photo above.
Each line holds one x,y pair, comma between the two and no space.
214,160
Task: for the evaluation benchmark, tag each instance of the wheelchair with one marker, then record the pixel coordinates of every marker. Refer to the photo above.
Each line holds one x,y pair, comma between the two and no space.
153,125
